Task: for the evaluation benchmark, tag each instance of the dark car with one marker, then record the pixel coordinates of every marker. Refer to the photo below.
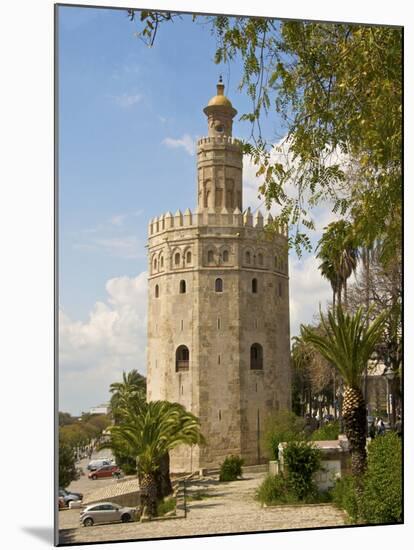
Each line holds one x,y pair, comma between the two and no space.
69,496
105,471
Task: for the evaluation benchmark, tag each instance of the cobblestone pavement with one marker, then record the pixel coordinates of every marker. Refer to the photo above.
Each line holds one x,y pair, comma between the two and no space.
230,508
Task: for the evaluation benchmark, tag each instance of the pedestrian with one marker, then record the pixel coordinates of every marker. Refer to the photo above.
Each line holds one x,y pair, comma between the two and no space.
380,427
398,426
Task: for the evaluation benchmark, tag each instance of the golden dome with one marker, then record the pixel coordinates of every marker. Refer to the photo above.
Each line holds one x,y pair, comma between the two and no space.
220,100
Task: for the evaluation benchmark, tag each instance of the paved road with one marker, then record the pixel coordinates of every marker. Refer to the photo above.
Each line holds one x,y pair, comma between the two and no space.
84,484
230,508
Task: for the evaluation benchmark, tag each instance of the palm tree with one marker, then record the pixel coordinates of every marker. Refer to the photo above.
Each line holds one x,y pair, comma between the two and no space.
148,434
339,254
132,388
348,343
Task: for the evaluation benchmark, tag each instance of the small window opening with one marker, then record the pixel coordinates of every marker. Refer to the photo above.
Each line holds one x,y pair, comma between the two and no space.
182,287
226,256
177,258
254,286
219,285
157,291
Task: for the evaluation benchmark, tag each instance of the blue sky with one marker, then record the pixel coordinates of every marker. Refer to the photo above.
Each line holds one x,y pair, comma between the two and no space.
129,117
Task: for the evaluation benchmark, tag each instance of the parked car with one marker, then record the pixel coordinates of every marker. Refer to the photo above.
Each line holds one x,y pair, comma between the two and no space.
61,502
97,463
105,512
69,496
111,470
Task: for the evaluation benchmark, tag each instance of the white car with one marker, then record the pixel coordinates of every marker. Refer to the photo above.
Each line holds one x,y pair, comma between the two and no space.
106,512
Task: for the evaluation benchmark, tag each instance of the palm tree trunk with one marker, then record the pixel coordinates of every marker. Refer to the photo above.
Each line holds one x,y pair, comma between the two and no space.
148,494
164,486
354,415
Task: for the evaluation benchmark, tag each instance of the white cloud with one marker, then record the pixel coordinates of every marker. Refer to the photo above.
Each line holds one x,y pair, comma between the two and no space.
128,247
93,354
308,289
186,142
118,219
127,100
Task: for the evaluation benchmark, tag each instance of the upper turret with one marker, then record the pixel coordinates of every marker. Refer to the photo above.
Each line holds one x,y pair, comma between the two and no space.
220,113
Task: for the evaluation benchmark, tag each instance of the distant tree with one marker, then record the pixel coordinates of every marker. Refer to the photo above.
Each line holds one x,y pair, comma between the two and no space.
66,419
67,468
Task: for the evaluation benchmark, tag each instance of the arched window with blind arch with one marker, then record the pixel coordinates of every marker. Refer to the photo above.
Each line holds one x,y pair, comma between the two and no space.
188,257
177,259
256,357
182,358
210,256
225,256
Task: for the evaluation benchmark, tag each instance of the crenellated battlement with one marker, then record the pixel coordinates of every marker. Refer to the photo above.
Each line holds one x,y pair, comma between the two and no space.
212,218
219,140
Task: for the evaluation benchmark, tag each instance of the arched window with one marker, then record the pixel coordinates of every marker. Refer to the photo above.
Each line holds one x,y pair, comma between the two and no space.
219,285
155,264
182,287
254,286
189,257
162,261
210,256
256,357
260,258
157,291
177,258
182,359
226,256
248,257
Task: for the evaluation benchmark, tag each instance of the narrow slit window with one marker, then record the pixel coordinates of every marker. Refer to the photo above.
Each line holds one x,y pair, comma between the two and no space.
157,291
254,286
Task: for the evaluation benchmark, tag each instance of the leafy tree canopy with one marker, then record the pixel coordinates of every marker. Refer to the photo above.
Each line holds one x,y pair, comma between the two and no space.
338,88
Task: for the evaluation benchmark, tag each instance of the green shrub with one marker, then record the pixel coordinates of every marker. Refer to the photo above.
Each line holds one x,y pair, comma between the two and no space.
275,489
231,469
166,506
344,496
283,426
302,460
382,497
327,432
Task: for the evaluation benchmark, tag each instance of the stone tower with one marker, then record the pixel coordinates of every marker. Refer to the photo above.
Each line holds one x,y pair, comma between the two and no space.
218,307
